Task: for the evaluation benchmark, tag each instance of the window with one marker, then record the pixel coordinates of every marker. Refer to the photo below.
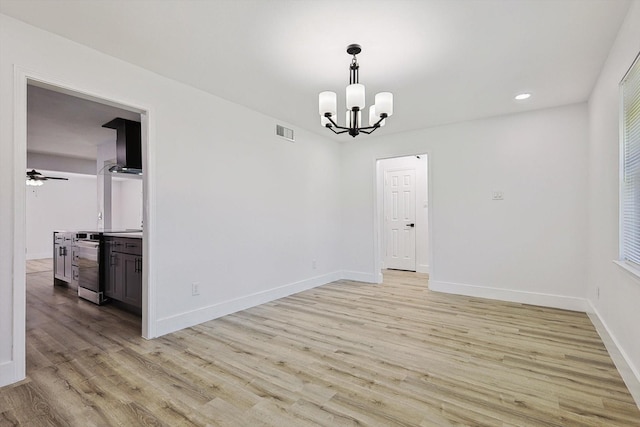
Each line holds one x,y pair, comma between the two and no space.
630,162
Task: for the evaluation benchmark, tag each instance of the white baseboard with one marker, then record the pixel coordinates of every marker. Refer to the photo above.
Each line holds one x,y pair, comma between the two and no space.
422,268
184,320
8,373
533,298
629,373
358,276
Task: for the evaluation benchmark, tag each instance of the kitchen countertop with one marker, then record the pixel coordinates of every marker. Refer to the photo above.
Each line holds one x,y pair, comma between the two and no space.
103,231
132,235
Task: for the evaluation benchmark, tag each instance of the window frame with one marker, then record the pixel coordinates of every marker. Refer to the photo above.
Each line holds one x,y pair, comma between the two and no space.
629,265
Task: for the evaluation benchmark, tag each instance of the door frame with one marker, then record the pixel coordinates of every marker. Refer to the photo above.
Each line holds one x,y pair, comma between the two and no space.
22,78
378,213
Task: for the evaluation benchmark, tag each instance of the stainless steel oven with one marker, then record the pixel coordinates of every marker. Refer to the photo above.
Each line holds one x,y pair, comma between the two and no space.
87,260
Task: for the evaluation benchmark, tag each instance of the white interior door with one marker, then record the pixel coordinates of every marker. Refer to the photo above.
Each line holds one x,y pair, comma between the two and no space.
399,219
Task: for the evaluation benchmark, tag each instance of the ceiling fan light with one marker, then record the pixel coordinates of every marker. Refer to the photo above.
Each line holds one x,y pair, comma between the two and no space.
384,103
355,96
327,103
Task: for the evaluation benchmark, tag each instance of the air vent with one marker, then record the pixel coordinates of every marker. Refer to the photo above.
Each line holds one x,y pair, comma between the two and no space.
284,132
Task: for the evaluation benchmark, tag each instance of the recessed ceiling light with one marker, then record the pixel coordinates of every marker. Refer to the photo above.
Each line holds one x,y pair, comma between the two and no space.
522,96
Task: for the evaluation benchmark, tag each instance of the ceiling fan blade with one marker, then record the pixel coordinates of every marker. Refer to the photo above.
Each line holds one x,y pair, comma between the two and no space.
37,176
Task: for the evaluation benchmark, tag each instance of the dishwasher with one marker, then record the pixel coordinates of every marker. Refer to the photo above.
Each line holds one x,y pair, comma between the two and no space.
87,260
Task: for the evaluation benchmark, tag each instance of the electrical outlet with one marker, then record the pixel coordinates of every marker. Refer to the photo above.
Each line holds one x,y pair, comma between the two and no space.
313,264
195,288
497,195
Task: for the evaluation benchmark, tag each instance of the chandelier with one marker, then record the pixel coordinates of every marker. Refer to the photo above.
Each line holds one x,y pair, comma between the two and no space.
327,103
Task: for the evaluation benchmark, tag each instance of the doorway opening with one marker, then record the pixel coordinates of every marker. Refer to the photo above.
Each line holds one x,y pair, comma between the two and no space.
403,213
66,165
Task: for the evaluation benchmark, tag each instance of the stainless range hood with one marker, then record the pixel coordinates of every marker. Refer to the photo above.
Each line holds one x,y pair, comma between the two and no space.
128,146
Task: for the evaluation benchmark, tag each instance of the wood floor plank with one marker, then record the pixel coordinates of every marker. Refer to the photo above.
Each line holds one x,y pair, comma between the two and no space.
343,354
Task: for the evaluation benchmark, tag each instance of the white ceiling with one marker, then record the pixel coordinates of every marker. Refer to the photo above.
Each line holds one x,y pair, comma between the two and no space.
444,60
68,126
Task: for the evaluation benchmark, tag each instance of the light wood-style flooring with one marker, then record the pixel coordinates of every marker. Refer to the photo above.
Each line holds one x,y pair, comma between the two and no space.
344,354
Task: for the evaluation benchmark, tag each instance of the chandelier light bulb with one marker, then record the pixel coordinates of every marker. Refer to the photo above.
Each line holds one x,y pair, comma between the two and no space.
349,121
328,103
355,96
384,103
373,117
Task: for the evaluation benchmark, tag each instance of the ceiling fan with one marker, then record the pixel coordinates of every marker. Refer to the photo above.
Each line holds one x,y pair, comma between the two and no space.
35,178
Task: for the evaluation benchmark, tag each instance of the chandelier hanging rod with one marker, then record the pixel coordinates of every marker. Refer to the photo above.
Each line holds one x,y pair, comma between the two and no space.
327,102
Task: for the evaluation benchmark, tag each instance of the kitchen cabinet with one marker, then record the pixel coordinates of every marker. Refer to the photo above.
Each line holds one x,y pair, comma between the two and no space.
112,287
123,272
63,271
131,276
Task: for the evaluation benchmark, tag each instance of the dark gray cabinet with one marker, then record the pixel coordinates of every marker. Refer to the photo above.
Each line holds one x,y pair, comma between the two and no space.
123,272
131,274
112,288
63,258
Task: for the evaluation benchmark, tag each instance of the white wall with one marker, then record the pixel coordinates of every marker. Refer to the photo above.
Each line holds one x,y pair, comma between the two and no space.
529,247
232,206
421,215
126,203
618,305
58,205
72,205
53,162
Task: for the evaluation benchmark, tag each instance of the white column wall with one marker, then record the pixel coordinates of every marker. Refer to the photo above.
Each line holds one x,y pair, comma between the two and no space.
126,205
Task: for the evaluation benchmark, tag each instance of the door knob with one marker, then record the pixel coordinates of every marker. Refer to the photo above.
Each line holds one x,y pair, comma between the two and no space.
411,225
